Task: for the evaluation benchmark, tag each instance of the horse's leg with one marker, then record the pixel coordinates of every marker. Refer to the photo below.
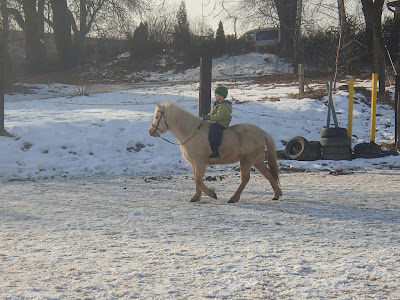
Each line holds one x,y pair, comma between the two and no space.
245,168
199,171
197,195
263,169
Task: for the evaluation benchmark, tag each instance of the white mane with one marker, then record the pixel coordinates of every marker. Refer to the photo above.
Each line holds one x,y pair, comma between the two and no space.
180,117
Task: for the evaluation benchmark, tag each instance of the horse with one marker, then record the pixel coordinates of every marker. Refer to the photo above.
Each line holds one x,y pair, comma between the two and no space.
242,142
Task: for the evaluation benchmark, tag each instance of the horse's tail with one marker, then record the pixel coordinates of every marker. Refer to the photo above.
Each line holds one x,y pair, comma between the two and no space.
272,159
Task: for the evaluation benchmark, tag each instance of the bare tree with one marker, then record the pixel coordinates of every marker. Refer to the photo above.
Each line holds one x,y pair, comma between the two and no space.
373,14
343,35
29,15
286,13
62,33
161,25
65,17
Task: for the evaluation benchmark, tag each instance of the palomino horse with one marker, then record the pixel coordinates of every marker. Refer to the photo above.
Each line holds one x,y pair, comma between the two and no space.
242,142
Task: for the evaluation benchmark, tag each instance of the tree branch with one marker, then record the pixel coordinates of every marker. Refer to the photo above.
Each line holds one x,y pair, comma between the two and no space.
17,17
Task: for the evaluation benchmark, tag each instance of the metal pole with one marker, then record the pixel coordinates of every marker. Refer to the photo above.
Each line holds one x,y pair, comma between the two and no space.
328,121
397,112
2,96
205,86
331,106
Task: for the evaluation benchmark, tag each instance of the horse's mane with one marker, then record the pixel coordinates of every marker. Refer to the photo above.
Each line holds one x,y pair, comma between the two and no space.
180,116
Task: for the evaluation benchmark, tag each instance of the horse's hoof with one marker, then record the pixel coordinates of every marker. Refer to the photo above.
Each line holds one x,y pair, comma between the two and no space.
232,200
195,199
275,198
215,196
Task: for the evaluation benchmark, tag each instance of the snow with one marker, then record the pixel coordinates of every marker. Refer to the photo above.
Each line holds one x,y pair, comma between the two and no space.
331,237
107,133
93,207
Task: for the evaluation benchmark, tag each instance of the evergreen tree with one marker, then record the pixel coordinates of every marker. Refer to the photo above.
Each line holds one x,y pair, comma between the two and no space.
220,40
182,35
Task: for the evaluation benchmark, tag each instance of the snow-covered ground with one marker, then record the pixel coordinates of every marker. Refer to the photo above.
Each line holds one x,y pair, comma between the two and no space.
107,133
93,207
331,237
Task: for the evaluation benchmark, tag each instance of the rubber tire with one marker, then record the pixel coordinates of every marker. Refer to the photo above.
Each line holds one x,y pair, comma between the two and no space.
336,141
297,148
367,150
280,154
336,150
314,152
337,156
327,132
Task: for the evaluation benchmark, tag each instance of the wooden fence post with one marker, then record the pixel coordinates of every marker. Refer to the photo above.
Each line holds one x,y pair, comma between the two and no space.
205,86
350,114
373,106
301,79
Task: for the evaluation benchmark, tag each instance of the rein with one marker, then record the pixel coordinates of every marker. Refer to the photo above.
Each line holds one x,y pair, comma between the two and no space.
165,121
181,144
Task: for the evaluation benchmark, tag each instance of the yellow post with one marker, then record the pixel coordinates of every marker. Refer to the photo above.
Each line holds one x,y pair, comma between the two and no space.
350,119
373,105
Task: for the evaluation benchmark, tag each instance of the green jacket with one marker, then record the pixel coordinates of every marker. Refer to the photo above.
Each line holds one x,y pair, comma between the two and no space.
221,113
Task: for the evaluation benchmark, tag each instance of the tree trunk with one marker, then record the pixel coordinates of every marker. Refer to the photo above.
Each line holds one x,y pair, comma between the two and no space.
343,48
62,34
395,55
5,29
287,13
4,55
297,35
373,16
33,31
82,31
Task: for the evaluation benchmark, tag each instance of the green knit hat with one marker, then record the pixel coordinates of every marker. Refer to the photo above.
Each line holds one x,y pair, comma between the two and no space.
221,90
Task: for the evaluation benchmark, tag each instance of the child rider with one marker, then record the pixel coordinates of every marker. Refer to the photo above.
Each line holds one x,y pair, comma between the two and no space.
220,117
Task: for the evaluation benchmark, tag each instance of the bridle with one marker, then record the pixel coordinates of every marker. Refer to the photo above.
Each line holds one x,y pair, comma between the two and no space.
158,123
162,115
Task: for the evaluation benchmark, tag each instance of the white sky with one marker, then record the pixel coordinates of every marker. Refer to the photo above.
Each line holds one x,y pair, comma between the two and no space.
211,12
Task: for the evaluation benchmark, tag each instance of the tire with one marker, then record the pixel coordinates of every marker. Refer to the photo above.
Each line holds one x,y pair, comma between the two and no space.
297,148
336,141
337,156
327,132
280,154
336,150
314,152
367,150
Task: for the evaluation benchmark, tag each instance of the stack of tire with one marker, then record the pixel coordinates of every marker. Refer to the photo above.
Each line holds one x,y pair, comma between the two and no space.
335,144
299,148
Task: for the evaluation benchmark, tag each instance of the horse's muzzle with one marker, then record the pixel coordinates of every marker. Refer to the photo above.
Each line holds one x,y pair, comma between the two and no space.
154,132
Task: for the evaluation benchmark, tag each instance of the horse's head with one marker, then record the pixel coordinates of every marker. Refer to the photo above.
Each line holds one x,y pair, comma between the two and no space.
159,125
